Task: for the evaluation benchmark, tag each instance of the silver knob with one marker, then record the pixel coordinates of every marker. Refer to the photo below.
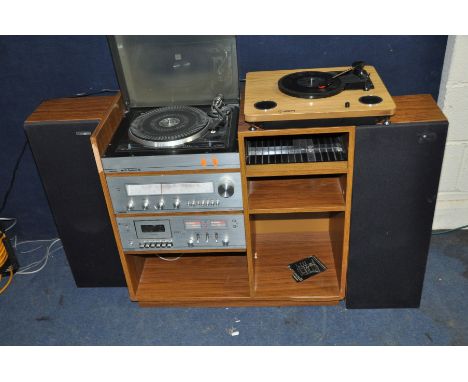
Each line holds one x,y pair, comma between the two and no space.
226,188
145,204
190,242
161,204
130,204
177,203
226,241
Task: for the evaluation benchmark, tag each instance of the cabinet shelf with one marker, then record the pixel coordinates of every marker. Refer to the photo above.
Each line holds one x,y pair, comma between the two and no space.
193,277
289,195
319,168
274,251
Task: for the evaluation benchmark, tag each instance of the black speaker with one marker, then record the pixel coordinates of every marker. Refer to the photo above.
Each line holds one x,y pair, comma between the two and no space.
64,158
396,177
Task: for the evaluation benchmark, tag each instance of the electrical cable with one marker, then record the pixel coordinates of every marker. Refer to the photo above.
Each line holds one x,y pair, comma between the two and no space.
13,177
449,230
86,94
166,259
14,220
3,260
3,289
29,269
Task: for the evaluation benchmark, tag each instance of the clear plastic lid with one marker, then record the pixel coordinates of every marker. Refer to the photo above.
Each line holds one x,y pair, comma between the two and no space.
181,70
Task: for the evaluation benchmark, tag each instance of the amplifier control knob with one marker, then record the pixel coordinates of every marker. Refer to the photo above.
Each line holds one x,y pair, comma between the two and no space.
176,203
226,241
145,204
190,242
226,188
130,204
161,204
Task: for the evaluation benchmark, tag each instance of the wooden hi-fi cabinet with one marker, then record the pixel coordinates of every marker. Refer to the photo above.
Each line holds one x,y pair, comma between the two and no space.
368,218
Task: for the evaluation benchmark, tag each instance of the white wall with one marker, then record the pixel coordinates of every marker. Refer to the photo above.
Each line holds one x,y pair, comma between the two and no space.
452,203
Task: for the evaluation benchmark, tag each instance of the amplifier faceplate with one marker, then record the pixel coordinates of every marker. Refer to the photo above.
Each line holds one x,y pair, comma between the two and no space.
185,193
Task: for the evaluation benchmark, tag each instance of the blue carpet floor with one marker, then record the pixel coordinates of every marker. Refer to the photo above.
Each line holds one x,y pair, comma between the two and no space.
47,309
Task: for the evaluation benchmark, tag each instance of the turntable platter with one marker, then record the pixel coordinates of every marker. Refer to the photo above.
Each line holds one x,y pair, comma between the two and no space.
169,126
310,84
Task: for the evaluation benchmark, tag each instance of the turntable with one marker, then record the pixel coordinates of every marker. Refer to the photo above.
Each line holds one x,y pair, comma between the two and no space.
181,98
326,94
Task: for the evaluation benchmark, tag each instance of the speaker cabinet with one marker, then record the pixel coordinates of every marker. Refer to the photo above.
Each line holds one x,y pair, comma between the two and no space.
64,158
396,177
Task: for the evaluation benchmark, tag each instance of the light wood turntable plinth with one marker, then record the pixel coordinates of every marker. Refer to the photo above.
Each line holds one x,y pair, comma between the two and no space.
263,86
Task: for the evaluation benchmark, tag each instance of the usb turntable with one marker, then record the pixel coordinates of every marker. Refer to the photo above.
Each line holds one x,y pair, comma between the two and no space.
326,96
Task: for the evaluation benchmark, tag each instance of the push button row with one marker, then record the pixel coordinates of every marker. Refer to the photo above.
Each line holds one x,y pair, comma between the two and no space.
156,244
203,203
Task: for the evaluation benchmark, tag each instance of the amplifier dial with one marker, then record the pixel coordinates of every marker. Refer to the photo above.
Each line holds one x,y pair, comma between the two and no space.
226,188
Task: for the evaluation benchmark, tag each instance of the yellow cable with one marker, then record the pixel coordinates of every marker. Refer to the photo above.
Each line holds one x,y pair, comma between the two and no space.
3,260
9,280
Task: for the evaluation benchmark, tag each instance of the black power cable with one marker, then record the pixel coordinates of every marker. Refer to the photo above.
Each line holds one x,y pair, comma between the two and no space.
13,177
450,230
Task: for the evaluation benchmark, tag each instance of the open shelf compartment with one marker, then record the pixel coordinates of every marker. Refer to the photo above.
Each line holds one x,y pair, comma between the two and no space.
191,277
283,239
296,194
296,154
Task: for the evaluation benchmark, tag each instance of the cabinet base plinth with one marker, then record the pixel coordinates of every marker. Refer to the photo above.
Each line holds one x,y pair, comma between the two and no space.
234,303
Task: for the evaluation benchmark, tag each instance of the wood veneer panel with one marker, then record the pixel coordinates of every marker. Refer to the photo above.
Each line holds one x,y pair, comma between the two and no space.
72,109
194,277
273,277
317,168
416,108
105,130
336,228
233,302
290,223
286,195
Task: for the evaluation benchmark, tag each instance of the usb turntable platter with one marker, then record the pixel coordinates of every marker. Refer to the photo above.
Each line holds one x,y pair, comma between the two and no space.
310,84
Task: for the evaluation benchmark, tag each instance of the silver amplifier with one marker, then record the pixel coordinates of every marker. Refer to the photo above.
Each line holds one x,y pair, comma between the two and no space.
188,192
182,232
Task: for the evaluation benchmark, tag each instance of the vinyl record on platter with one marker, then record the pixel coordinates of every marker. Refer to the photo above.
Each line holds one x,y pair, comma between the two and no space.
168,126
310,84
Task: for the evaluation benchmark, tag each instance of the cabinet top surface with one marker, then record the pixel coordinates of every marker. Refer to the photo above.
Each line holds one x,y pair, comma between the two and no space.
409,109
73,109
